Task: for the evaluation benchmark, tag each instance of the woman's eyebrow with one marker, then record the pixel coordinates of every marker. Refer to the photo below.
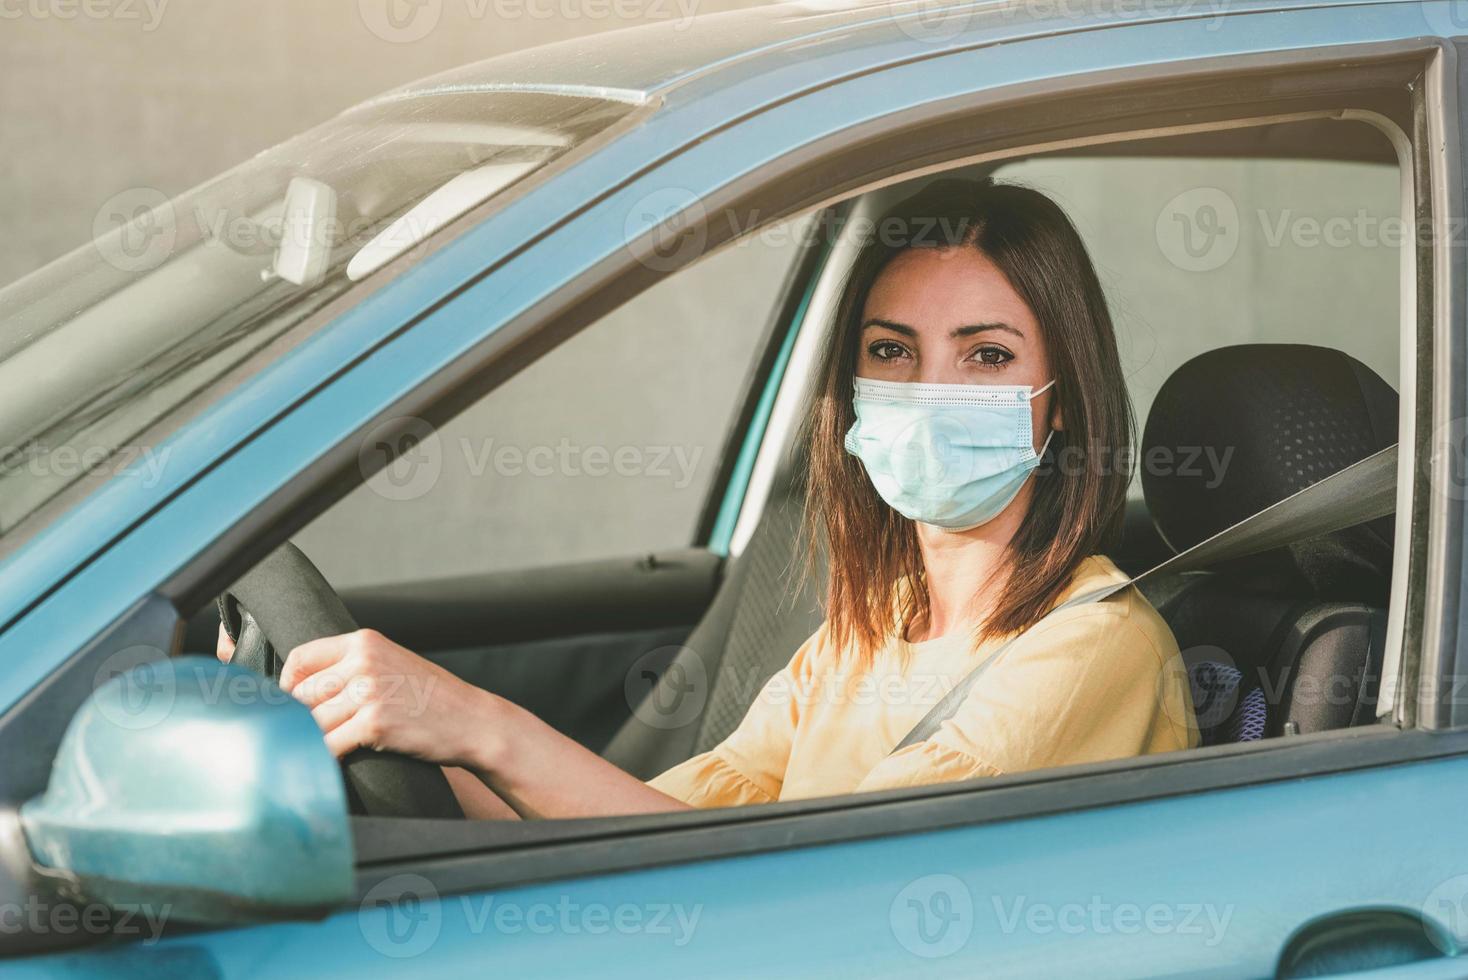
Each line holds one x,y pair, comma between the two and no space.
974,328
967,331
901,328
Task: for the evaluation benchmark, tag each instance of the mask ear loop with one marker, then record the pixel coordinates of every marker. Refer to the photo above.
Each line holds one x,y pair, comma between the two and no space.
1046,445
1051,434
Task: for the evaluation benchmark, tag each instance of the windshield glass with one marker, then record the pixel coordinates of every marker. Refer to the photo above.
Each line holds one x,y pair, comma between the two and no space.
128,334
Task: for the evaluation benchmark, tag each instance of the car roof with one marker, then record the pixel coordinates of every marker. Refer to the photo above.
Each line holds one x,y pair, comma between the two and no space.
639,63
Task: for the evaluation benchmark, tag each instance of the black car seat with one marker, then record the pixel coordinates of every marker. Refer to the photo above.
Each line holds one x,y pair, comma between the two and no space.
1291,640
764,610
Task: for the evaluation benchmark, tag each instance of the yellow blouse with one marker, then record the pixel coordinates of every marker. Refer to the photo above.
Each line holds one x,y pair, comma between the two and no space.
1101,680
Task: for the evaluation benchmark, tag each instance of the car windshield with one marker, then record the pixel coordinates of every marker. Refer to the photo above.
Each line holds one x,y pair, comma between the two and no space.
130,332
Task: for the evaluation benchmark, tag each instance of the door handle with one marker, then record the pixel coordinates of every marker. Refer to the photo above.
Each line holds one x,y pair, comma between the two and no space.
1358,941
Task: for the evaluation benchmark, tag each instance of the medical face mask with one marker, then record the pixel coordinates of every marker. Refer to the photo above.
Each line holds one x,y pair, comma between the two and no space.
952,456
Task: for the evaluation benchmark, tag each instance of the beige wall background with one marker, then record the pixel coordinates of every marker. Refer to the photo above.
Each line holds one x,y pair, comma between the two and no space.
99,96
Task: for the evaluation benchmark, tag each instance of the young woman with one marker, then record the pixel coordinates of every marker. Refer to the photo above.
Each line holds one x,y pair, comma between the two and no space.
972,343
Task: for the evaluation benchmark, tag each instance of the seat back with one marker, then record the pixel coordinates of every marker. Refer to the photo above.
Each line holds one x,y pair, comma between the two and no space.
1291,640
763,611
1290,667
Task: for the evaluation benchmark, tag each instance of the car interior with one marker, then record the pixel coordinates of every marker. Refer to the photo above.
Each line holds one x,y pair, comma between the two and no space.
606,644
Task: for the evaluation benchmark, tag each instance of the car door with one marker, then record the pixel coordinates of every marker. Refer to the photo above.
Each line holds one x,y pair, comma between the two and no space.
1212,863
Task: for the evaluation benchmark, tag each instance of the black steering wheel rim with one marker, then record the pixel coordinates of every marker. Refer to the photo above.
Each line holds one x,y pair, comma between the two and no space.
285,601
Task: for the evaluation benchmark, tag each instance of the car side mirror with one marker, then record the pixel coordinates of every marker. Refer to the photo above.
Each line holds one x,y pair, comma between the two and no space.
200,787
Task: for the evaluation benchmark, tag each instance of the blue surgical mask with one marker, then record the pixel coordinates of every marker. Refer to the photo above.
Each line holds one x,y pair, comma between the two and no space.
952,456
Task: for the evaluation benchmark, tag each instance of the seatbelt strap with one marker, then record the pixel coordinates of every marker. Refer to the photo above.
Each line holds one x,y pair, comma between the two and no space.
1359,493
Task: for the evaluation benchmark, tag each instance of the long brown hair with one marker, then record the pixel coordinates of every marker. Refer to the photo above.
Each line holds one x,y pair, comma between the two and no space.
1076,507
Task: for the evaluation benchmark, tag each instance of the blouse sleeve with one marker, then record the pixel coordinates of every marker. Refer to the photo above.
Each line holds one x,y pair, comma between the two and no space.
1092,685
749,765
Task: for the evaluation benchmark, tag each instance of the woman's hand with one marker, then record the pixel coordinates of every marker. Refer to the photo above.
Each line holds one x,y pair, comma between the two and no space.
366,691
224,646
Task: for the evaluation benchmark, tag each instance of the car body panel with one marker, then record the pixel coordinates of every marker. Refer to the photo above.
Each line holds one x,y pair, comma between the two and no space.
1022,893
792,47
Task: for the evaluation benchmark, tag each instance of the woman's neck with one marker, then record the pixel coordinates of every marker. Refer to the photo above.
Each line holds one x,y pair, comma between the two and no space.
965,570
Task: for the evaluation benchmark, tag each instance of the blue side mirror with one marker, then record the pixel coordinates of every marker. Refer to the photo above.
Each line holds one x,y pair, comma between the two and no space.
200,786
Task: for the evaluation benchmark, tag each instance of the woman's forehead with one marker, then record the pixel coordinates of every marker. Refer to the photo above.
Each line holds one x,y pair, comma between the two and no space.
939,289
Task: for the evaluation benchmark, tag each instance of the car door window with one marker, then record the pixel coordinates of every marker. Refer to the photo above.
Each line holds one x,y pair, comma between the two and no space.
1201,252
607,446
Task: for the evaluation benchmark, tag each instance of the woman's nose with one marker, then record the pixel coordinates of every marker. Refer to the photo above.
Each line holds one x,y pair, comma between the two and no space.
930,373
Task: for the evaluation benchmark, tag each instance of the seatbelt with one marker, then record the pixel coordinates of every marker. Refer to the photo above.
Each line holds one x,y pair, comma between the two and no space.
1361,492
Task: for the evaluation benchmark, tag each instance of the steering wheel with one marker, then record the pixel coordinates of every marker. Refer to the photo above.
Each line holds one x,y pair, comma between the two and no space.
285,601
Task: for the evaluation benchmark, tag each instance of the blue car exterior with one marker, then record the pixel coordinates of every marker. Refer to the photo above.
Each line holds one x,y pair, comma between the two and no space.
766,93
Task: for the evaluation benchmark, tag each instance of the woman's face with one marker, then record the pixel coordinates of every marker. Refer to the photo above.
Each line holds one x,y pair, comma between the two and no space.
949,316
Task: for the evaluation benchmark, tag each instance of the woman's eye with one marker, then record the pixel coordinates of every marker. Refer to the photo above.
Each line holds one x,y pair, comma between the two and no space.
887,350
992,357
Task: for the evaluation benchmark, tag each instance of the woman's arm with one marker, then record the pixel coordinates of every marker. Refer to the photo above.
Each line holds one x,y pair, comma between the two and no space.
477,800
367,692
542,773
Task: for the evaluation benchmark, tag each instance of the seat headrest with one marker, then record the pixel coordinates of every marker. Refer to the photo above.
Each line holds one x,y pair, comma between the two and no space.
1237,429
